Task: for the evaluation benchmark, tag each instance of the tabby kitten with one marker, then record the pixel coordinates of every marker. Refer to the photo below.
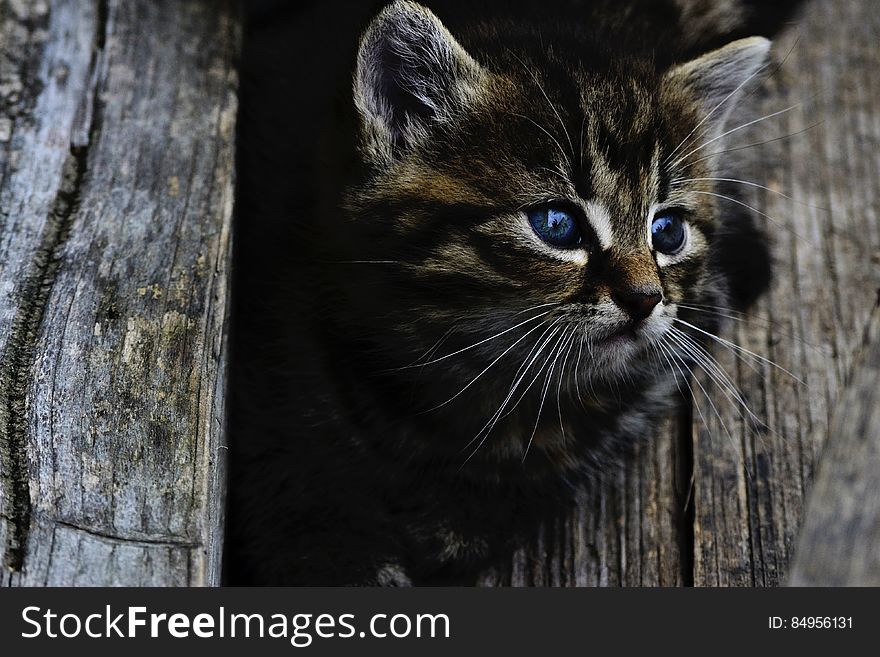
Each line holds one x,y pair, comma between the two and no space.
486,311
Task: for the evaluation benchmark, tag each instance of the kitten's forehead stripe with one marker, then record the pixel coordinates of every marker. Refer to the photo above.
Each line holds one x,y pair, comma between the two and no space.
600,220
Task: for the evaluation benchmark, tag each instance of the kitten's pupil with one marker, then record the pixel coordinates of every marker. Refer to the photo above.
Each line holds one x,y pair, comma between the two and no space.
667,232
555,226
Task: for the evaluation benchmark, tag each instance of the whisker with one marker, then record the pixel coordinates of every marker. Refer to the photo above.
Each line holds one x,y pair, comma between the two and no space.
727,387
775,70
756,211
555,173
526,390
714,109
715,411
476,344
665,352
490,424
754,144
557,351
738,316
731,131
546,132
750,184
366,262
559,384
487,368
581,143
714,370
436,345
446,335
541,305
549,102
733,345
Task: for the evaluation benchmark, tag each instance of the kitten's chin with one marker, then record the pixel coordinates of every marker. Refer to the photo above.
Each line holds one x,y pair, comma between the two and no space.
623,345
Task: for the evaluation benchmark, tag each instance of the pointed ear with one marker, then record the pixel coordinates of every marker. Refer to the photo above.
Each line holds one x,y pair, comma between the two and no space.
411,72
717,78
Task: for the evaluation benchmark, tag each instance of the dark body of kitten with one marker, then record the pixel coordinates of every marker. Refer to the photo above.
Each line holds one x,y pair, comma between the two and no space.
468,308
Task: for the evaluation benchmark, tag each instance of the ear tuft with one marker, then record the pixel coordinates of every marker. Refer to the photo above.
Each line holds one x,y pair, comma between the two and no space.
718,77
410,72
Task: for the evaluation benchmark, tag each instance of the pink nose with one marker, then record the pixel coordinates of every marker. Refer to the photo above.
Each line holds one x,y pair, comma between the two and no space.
637,304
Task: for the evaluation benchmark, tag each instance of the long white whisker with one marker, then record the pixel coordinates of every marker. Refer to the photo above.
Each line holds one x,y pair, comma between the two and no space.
577,370
367,262
556,173
559,384
488,367
754,144
546,132
476,344
715,372
581,144
436,345
731,131
527,388
549,102
750,184
666,350
490,424
737,316
756,211
557,351
538,307
717,415
715,109
737,347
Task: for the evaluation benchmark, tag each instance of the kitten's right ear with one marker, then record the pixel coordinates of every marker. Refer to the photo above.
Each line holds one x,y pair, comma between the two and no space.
410,72
718,77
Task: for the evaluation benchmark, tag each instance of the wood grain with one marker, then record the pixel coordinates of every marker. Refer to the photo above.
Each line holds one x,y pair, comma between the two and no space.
116,182
751,484
627,529
839,541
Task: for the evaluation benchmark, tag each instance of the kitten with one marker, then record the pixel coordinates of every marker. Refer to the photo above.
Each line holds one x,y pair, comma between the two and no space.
489,304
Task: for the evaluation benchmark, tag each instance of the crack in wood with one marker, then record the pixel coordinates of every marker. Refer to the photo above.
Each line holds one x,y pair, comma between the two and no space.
684,491
20,353
135,541
18,356
20,350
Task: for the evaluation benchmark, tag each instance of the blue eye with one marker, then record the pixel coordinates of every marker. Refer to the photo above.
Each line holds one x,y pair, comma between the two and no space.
555,226
667,232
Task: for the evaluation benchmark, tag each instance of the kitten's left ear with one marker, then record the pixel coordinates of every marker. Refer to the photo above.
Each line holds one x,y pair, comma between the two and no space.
410,72
718,77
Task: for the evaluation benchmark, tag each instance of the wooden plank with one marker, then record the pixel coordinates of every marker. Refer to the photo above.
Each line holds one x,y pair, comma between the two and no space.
117,182
751,484
838,544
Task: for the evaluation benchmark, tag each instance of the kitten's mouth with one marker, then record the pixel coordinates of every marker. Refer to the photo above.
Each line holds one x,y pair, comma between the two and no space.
627,332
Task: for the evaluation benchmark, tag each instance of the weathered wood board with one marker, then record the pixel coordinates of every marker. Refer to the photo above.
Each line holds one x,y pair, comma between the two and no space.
750,496
839,543
117,126
738,524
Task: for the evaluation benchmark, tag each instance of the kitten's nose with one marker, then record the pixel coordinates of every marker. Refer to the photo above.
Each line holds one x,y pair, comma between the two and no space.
638,304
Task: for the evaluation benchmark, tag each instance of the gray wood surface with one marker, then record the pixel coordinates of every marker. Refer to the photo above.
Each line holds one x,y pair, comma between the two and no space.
750,474
750,491
839,544
116,178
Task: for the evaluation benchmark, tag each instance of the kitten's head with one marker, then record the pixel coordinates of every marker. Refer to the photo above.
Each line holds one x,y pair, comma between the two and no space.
536,200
